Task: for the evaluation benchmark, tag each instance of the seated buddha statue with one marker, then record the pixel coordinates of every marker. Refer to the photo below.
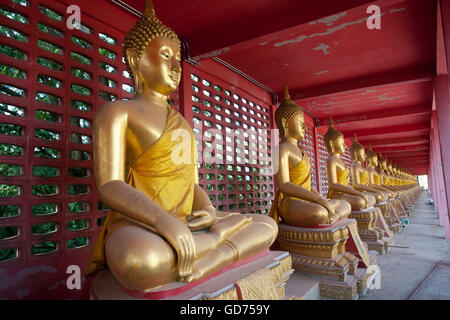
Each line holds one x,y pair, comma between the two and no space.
338,173
385,176
391,174
161,226
360,175
374,176
296,202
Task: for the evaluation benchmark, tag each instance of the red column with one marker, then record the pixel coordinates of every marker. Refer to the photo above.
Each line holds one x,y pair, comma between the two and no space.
185,92
445,18
441,121
317,158
438,181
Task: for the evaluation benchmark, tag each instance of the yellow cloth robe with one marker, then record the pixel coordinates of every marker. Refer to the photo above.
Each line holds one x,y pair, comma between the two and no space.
299,175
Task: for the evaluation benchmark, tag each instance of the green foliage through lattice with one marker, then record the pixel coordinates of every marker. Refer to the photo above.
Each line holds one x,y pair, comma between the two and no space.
8,254
44,247
13,34
12,72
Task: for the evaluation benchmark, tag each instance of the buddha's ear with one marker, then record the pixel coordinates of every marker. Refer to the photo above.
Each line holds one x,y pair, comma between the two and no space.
331,145
284,125
133,62
283,122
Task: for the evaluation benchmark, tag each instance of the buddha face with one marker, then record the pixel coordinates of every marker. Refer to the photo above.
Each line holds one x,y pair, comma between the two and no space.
338,145
295,127
374,161
159,66
359,155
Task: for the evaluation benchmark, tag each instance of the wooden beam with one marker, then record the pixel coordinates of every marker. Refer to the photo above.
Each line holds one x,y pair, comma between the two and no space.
414,75
421,147
405,154
379,114
406,141
418,127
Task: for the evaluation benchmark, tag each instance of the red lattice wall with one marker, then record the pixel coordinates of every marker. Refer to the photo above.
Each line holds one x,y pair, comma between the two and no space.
235,176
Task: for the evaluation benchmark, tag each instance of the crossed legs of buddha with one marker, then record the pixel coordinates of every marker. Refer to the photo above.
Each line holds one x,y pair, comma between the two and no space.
306,214
141,260
357,203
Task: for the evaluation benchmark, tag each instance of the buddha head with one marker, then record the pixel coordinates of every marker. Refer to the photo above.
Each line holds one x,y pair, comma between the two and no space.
382,162
389,167
334,139
372,157
357,151
152,54
289,118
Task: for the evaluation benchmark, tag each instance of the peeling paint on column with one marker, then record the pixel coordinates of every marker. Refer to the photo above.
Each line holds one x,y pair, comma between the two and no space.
321,72
212,54
320,34
322,47
263,43
384,97
396,10
330,20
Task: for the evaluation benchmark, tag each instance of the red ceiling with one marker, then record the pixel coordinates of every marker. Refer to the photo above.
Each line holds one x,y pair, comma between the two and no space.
377,83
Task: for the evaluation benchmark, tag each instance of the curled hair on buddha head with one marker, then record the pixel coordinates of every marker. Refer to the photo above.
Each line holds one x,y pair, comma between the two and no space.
286,110
147,28
331,135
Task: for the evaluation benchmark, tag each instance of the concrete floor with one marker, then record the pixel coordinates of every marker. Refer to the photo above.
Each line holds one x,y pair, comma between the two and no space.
402,270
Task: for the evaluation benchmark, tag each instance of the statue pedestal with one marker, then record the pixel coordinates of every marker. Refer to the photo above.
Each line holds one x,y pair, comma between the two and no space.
371,231
261,278
335,255
388,234
391,217
402,208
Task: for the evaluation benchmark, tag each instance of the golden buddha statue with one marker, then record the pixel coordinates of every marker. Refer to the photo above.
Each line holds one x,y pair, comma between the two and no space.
360,175
374,176
388,182
385,176
161,226
339,175
296,202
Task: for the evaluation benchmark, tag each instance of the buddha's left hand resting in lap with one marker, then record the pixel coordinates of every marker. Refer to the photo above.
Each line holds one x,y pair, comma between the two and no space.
296,202
161,226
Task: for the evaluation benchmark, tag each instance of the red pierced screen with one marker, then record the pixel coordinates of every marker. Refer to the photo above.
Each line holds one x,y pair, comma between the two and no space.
232,130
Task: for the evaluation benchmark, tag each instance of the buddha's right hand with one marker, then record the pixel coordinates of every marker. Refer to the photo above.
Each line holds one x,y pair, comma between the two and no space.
325,203
365,198
181,239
